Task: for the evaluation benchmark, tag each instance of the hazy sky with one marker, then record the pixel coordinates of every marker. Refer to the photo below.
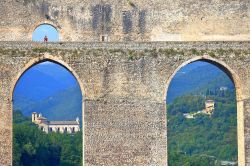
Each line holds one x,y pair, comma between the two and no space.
43,80
50,89
195,76
45,30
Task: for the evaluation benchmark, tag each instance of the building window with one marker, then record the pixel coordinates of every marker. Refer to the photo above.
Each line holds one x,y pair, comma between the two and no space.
104,38
65,130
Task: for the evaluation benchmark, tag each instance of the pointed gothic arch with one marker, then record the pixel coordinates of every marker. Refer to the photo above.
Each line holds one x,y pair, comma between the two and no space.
58,61
239,98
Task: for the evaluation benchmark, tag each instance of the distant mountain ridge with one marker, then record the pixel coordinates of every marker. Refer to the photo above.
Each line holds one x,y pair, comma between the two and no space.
44,80
61,100
194,78
64,105
202,140
50,89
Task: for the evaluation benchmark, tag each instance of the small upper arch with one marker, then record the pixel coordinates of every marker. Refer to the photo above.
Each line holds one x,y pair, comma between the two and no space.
45,28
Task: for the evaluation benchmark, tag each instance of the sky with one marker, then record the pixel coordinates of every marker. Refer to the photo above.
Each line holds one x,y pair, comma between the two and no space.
196,75
46,79
50,89
43,80
45,30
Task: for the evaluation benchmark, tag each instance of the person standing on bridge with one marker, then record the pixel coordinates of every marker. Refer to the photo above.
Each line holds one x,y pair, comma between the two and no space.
45,39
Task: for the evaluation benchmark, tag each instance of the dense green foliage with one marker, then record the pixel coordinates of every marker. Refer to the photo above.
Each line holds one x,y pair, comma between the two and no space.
205,140
32,147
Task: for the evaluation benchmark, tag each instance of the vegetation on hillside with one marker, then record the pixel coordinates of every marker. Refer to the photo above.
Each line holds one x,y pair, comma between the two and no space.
197,77
205,140
63,105
32,147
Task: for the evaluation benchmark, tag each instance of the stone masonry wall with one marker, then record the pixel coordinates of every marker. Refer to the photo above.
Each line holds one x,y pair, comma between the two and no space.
128,20
124,87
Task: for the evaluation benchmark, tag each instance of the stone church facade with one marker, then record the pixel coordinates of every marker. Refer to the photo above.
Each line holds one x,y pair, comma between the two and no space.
47,126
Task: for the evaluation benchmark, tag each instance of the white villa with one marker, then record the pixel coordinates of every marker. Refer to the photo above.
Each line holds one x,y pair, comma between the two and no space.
47,126
209,110
209,107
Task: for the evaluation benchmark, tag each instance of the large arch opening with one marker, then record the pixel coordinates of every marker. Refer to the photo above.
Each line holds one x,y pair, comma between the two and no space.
188,113
47,115
45,33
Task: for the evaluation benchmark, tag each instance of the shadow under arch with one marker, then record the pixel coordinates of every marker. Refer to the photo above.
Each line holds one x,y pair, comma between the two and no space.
46,22
58,61
239,98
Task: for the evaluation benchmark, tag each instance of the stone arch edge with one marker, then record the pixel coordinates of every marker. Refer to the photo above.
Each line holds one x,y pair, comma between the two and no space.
45,22
58,60
239,97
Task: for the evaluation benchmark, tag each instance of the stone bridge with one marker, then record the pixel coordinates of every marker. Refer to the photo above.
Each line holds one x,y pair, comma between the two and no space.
124,88
124,85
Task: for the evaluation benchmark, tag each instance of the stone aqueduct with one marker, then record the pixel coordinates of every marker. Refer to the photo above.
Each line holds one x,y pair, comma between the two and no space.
124,90
124,84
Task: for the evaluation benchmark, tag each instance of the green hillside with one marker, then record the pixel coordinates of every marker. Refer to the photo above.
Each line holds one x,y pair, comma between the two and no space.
64,105
205,140
32,147
194,78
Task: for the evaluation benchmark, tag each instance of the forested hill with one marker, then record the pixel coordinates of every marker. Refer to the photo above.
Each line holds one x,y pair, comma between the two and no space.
197,77
205,140
33,147
64,105
50,89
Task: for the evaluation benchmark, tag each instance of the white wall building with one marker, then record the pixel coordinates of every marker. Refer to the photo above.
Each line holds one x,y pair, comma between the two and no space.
209,107
55,126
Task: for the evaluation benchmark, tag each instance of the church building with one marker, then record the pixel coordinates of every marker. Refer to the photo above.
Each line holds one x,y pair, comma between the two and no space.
47,126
